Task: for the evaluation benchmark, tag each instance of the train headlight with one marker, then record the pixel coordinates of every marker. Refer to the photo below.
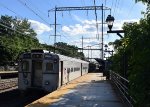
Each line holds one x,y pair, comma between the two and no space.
26,82
47,82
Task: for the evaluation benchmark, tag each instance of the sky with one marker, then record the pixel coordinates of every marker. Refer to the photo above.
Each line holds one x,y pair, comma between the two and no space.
72,25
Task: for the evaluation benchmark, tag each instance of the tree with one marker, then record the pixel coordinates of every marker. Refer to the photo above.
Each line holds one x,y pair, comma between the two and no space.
135,44
68,50
16,35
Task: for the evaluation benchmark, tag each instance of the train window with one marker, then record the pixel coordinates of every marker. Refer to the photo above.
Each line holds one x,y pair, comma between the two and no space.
37,56
68,70
71,69
25,66
27,56
49,66
76,69
84,67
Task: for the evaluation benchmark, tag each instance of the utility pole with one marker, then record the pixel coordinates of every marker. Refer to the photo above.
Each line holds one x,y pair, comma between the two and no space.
55,30
80,8
102,33
55,27
88,46
82,44
91,53
55,35
88,52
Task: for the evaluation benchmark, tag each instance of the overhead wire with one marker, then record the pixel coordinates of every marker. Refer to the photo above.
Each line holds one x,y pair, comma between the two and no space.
5,24
36,7
67,37
115,7
121,6
23,3
8,27
14,11
10,10
112,4
130,10
97,35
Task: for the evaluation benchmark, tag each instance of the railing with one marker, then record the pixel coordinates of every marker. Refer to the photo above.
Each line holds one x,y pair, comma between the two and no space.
122,85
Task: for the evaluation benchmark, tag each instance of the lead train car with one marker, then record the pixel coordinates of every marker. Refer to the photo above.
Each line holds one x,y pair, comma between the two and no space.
47,71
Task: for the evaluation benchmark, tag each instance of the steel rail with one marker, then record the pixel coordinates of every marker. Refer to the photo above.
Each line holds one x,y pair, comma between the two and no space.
122,85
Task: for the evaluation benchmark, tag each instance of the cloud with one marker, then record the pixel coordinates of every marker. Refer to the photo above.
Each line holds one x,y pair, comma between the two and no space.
118,24
39,27
87,28
84,28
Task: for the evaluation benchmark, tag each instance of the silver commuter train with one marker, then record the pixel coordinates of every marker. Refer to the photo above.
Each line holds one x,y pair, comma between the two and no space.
48,71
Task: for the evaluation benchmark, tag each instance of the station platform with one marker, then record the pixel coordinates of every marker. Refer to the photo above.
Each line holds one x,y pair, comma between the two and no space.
8,74
90,90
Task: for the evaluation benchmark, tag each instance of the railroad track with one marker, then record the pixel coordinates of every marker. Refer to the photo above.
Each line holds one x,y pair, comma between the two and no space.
8,83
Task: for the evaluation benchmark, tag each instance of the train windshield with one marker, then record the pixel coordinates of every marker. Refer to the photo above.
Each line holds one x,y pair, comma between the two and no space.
25,66
49,66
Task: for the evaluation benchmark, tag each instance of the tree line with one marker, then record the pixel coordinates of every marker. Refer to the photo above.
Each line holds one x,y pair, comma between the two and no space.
17,36
132,58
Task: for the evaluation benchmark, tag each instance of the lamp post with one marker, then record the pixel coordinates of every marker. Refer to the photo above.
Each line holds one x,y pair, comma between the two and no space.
110,20
105,50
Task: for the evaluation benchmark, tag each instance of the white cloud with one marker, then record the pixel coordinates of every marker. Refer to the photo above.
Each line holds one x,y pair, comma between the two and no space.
119,23
66,29
84,28
39,27
87,28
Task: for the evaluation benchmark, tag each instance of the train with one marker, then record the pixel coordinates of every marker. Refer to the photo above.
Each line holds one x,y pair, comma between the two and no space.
93,67
44,70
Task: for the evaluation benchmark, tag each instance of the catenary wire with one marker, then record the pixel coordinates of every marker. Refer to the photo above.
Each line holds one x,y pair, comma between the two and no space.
33,11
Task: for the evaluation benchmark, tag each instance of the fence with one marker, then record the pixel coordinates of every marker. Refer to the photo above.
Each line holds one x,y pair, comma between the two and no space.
122,85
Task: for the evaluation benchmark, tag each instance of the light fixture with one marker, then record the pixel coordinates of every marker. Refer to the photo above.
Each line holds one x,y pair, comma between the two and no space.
47,82
106,46
110,20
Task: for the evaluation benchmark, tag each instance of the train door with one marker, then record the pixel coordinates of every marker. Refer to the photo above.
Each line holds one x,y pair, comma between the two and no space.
61,73
81,69
37,73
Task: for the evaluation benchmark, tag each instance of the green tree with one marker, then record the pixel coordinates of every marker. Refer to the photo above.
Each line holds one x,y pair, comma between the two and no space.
135,44
16,36
69,50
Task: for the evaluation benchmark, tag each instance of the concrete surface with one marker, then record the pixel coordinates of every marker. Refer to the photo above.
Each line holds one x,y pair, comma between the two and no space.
90,90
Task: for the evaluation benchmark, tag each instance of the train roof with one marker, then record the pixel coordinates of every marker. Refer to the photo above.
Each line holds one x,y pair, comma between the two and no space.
61,57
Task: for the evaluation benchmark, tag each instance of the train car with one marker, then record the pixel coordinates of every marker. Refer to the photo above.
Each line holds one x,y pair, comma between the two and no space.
48,71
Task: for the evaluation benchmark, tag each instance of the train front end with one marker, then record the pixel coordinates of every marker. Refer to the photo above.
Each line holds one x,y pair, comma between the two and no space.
38,70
